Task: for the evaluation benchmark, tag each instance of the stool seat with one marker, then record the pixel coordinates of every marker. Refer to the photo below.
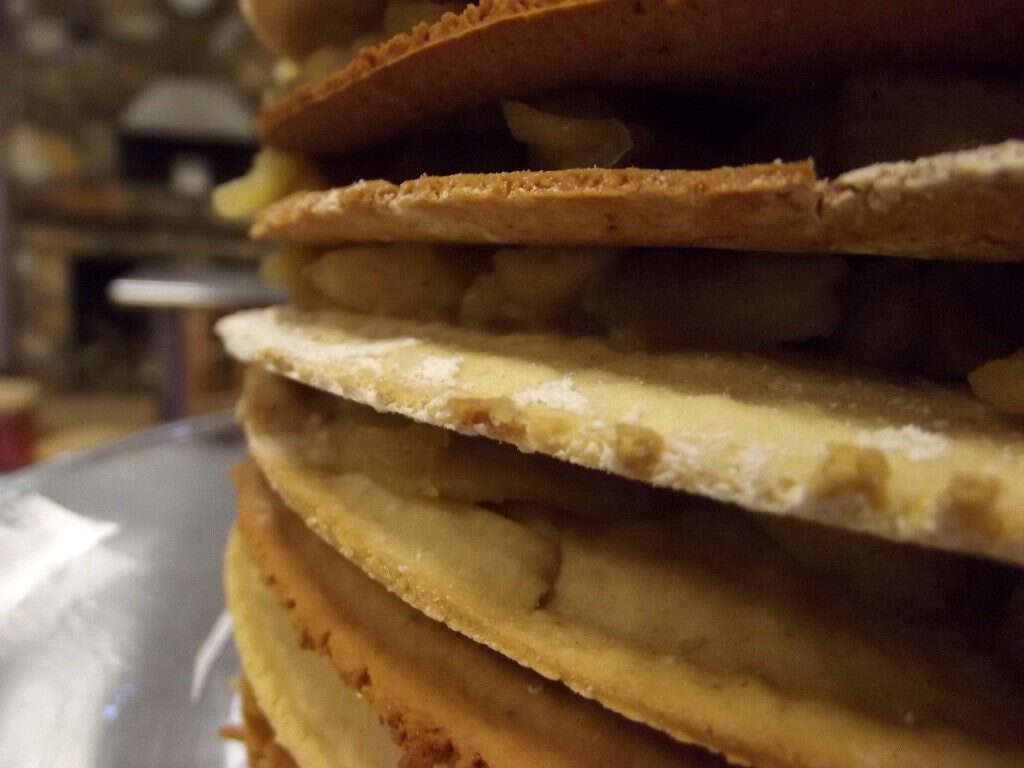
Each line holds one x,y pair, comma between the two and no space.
192,288
176,294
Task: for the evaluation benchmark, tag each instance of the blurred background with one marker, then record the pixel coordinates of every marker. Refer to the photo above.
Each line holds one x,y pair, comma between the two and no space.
117,117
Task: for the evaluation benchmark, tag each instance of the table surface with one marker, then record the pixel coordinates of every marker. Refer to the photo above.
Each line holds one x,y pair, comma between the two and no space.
117,555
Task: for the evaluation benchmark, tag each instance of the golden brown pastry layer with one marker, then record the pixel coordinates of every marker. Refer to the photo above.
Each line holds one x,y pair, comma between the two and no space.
775,643
446,700
261,746
960,205
502,48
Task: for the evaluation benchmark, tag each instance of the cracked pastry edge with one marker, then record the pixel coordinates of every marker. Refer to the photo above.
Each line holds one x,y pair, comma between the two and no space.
956,205
309,721
909,463
617,678
257,734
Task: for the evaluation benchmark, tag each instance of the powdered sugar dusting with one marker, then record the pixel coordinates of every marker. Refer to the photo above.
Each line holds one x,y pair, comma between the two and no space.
751,464
247,343
1006,159
361,349
680,454
915,443
439,370
560,394
634,415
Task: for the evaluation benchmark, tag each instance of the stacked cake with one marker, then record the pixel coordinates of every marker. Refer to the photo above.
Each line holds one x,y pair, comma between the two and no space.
649,391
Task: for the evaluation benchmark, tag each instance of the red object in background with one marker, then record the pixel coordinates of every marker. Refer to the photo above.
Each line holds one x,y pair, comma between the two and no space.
17,440
18,399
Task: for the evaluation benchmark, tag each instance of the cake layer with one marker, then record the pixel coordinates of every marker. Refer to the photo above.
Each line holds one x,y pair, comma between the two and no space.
775,643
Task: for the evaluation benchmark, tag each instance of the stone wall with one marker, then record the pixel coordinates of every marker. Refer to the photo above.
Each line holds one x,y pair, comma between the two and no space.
70,69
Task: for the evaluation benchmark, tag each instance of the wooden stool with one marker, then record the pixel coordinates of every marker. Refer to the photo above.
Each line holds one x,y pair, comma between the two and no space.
184,303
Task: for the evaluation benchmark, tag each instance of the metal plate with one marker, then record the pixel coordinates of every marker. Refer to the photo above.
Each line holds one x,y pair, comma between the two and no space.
109,586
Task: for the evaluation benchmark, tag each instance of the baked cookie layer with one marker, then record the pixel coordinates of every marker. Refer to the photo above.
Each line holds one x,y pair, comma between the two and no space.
905,460
774,642
444,699
503,48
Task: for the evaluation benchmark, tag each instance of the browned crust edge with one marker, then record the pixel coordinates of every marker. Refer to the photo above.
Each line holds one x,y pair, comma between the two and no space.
959,205
608,206
412,715
424,743
261,745
500,48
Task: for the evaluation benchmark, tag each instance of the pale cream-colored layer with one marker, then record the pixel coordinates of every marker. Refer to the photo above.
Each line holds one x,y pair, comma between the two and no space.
695,618
907,461
447,700
339,437
321,721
